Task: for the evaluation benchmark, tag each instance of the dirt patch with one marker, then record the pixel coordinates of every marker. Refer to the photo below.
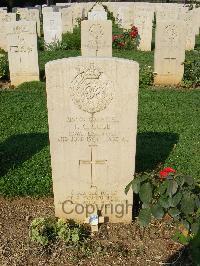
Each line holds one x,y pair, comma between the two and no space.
115,244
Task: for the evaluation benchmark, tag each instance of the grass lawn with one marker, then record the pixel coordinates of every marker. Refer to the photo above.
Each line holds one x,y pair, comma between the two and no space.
168,130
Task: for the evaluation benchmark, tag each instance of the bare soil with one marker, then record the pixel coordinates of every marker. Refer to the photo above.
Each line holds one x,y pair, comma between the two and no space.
114,244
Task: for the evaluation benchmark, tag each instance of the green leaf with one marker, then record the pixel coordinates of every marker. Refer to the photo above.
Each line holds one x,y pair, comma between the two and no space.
146,193
146,206
157,211
163,187
186,224
197,201
127,188
189,180
195,228
172,187
163,201
144,217
180,238
143,178
174,212
176,199
187,204
136,186
75,235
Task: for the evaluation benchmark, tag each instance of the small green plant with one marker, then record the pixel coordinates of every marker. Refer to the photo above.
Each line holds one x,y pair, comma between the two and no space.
70,232
45,230
54,46
4,66
72,41
191,76
146,76
42,230
168,193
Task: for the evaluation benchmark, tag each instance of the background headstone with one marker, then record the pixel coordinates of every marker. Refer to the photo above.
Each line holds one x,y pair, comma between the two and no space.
169,52
97,13
5,18
92,114
190,28
144,22
126,17
32,14
47,9
52,27
67,20
22,52
96,38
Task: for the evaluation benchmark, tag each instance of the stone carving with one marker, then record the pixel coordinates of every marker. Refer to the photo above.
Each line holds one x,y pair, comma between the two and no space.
171,33
91,91
96,38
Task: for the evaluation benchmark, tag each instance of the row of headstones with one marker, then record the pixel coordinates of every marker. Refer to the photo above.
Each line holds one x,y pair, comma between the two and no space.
96,40
63,19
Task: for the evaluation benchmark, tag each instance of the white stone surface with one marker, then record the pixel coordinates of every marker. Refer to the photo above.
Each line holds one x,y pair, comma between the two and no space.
30,15
97,13
52,27
4,19
169,52
22,52
67,20
144,22
92,114
96,38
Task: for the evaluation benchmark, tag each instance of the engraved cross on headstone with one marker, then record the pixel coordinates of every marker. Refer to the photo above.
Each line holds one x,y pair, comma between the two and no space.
92,164
170,60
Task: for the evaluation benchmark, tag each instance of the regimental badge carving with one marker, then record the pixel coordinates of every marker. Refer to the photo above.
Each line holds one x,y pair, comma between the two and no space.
171,33
96,37
96,30
91,90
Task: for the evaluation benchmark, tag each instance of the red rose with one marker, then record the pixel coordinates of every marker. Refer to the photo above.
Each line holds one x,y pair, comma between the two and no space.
121,44
169,170
114,37
133,34
165,172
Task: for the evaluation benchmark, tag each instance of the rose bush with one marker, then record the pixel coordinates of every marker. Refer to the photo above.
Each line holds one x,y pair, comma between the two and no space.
168,193
126,40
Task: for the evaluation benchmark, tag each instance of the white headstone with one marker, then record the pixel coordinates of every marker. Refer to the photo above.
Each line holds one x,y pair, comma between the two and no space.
77,13
22,52
67,20
52,27
169,52
97,13
190,28
30,15
144,22
126,17
96,38
4,19
92,114
47,9
63,4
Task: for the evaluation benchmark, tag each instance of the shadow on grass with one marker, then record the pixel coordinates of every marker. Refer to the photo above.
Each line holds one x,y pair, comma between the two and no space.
153,148
19,148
